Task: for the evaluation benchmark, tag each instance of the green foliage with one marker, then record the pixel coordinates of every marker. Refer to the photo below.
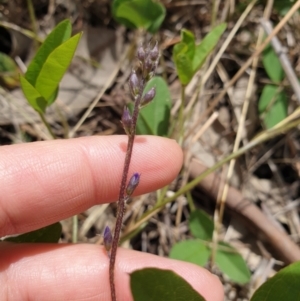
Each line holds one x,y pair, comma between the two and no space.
8,71
201,225
40,83
147,14
283,286
272,65
232,264
198,251
189,57
193,250
272,104
283,6
48,234
151,284
154,118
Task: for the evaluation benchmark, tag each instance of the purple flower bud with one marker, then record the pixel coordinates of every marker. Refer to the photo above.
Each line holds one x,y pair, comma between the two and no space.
141,53
134,84
133,183
148,65
148,97
154,53
126,121
107,239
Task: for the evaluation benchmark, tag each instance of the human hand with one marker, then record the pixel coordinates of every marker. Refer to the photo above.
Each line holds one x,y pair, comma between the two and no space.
45,182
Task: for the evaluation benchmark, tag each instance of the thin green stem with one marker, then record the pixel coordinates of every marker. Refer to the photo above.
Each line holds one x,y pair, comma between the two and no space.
190,201
75,229
181,115
214,11
33,21
47,125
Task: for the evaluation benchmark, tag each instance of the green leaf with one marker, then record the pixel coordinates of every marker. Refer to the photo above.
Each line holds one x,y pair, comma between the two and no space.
232,264
35,99
273,104
283,6
146,14
56,65
154,118
183,54
9,75
184,69
59,35
207,45
283,286
188,40
194,251
272,65
201,225
188,57
48,234
153,284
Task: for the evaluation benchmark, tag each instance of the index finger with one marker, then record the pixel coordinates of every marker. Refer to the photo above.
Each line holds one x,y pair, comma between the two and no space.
44,182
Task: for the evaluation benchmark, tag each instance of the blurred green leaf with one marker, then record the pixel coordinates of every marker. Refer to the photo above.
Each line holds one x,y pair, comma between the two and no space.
189,57
207,45
146,14
273,104
9,75
48,234
232,264
283,6
151,284
35,99
154,118
183,54
272,65
194,251
283,286
201,225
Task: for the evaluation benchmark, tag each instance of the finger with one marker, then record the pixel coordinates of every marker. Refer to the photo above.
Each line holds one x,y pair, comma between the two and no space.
80,272
44,182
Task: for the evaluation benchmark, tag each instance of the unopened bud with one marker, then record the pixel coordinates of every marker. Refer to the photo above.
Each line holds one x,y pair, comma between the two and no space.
148,97
133,183
154,53
107,239
126,121
141,53
134,84
148,64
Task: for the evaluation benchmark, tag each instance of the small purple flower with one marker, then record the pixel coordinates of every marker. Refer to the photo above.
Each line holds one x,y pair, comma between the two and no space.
107,239
141,53
134,84
126,121
148,97
154,53
148,64
133,183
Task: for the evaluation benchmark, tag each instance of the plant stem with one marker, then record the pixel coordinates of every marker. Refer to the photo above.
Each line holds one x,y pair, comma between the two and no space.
74,229
33,22
47,125
122,195
181,115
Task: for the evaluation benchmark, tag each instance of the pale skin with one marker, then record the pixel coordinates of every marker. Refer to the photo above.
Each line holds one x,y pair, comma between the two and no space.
45,182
